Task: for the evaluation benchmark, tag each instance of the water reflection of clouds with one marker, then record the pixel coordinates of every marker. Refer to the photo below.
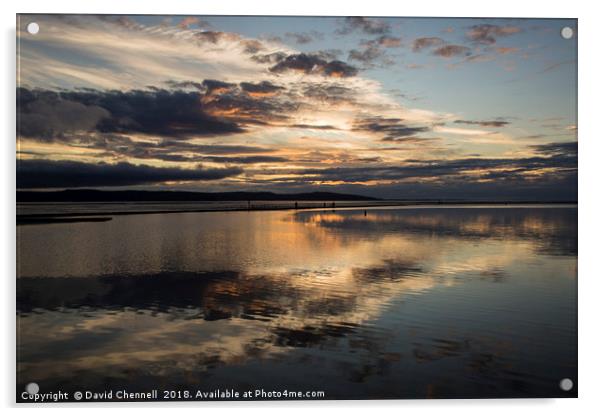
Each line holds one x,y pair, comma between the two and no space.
333,289
139,317
553,229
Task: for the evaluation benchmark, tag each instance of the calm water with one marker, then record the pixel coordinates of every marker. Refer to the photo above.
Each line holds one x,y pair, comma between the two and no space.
392,303
63,208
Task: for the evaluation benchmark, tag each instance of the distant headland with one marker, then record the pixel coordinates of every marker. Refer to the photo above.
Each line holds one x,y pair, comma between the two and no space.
95,195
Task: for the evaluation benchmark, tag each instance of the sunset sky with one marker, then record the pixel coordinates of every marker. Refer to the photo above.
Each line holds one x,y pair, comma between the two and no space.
385,107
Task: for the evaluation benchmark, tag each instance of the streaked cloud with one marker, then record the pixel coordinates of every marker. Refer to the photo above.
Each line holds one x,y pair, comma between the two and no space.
391,129
510,169
484,123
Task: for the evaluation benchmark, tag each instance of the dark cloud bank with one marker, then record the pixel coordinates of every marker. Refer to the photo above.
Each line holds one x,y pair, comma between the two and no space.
103,120
65,174
48,114
185,110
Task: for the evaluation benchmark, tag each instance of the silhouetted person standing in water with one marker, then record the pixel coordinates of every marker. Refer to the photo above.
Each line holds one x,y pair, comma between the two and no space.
296,205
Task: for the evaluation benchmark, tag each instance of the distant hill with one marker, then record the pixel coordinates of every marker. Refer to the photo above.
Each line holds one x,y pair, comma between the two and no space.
94,195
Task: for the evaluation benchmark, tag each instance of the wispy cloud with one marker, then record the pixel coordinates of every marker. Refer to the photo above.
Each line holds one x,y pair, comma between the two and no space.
191,21
488,34
425,43
506,50
303,38
556,65
449,51
484,123
370,26
313,64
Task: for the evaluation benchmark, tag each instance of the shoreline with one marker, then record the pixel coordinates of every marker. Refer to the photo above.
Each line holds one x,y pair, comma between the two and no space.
49,219
103,216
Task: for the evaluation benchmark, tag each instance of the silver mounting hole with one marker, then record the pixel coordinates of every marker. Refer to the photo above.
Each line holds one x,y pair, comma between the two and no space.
32,388
33,28
566,32
566,384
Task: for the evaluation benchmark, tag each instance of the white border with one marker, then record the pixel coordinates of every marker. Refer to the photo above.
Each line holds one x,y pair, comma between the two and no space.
590,287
